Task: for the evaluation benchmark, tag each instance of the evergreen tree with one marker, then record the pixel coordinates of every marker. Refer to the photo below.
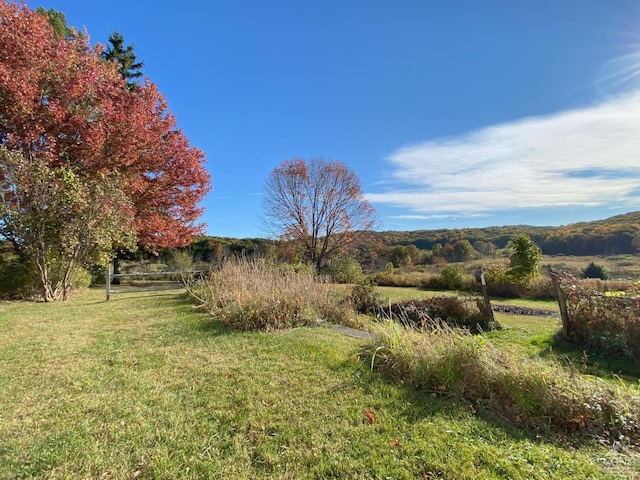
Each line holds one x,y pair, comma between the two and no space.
129,69
593,270
59,23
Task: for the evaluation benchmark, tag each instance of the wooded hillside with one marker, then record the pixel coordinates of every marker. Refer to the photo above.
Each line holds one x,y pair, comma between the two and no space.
612,236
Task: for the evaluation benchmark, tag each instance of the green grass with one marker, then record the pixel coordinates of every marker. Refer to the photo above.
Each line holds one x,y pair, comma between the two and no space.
147,386
551,305
396,294
539,336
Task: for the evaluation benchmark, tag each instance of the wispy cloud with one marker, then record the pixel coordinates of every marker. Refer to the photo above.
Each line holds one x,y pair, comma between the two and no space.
588,157
441,216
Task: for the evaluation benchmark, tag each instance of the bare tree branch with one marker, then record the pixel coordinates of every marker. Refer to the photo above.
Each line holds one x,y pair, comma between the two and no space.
318,203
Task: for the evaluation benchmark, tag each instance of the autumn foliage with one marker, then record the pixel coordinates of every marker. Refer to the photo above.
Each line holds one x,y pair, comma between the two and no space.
63,106
62,103
317,203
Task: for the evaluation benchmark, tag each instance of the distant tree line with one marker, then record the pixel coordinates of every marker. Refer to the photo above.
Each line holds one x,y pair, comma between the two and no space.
613,236
375,250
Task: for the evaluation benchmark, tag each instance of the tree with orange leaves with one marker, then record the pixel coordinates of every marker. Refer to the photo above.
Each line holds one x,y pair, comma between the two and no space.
318,203
68,119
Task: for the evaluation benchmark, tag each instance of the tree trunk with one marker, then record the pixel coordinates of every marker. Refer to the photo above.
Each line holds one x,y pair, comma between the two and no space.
117,262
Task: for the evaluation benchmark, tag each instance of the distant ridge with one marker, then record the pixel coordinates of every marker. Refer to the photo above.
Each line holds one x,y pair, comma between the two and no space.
619,234
615,235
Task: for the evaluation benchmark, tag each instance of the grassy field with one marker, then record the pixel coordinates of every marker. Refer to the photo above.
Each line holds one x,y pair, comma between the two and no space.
147,386
621,267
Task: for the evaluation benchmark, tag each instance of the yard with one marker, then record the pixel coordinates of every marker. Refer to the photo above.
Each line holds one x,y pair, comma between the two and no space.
148,386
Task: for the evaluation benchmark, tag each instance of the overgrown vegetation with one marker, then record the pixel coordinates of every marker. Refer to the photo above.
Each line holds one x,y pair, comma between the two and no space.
256,295
527,391
602,317
462,312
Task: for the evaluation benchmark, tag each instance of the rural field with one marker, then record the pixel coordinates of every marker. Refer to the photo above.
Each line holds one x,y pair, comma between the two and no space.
148,386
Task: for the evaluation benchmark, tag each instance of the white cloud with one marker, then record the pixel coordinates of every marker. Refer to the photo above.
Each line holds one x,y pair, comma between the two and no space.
587,157
441,216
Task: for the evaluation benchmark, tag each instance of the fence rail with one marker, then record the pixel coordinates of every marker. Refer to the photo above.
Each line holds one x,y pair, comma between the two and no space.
110,276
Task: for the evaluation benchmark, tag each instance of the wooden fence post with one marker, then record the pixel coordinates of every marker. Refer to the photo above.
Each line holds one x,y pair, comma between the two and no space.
488,309
562,302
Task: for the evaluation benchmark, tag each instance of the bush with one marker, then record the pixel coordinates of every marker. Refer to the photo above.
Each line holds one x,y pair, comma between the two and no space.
344,270
81,279
539,288
528,391
451,277
603,317
364,298
180,261
501,283
594,270
256,295
454,311
18,279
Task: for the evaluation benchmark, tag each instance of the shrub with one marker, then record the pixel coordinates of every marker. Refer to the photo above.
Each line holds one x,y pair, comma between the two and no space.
541,288
501,283
364,298
452,277
386,279
81,279
344,270
527,391
97,273
594,270
180,261
256,295
454,311
605,322
18,279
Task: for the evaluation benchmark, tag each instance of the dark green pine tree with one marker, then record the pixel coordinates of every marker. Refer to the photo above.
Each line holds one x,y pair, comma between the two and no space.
59,23
126,59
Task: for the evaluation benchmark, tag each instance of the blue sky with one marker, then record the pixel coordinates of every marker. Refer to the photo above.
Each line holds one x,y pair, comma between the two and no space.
453,114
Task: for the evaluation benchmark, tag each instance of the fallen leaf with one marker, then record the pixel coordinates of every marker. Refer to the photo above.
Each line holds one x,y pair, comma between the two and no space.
394,443
370,416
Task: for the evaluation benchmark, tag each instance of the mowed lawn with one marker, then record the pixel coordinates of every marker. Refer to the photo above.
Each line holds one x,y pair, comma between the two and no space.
146,386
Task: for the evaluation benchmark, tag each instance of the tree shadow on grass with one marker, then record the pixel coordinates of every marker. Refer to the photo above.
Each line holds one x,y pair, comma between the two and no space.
590,363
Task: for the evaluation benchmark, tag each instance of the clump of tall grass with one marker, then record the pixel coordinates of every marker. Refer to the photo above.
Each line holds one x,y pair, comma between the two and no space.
460,312
528,391
257,295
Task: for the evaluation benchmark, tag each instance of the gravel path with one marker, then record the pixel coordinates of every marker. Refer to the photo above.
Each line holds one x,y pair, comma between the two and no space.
512,309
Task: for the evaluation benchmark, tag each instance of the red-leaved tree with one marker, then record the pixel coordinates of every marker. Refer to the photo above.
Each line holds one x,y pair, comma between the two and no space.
63,106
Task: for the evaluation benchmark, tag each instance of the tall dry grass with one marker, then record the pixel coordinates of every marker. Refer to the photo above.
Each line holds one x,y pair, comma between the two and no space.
258,295
527,391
